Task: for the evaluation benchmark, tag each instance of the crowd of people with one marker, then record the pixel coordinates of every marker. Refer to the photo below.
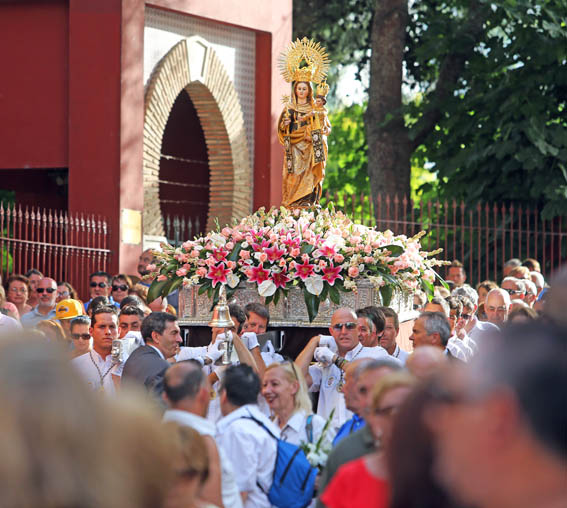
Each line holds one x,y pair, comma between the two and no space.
105,405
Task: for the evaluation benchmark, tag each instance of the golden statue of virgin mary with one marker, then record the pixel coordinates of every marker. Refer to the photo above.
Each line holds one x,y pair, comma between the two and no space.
303,125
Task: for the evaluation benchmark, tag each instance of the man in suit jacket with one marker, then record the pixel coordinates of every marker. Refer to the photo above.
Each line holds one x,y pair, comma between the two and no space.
147,364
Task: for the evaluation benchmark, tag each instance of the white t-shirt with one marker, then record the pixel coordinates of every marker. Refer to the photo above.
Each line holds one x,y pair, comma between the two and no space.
230,493
295,430
326,381
400,354
251,450
96,371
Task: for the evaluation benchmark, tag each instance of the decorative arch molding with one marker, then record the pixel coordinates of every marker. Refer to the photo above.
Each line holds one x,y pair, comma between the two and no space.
193,65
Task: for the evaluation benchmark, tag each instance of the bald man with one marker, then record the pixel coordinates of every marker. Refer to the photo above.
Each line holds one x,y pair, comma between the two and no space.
327,375
497,306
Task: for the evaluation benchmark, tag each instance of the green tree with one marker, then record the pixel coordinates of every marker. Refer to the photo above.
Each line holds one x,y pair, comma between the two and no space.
492,80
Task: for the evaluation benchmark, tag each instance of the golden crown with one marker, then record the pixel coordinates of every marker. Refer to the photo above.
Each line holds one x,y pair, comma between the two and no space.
322,89
304,60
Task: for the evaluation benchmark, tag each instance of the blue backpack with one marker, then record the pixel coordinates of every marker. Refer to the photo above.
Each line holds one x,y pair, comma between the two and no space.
294,477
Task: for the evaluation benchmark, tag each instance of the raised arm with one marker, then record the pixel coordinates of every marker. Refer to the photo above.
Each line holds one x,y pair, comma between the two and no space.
305,357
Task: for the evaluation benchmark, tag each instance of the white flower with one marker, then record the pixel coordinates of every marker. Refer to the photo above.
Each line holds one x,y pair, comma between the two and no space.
266,288
232,280
336,241
218,239
314,284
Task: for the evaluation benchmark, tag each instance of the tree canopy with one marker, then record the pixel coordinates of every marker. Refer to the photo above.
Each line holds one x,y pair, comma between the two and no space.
488,81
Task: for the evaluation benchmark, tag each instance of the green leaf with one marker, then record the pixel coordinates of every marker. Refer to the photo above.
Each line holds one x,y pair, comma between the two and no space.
307,248
157,289
203,287
334,295
176,283
428,288
396,250
233,256
312,303
277,296
386,293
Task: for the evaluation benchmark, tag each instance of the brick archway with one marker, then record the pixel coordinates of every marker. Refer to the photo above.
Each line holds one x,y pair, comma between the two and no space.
193,66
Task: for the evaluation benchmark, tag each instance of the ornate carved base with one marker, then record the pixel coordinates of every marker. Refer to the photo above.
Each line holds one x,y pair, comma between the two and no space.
291,311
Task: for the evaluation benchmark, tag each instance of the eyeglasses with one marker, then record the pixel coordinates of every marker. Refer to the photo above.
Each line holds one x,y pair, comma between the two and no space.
100,285
292,363
84,336
120,288
416,306
466,316
18,290
514,291
49,290
496,309
349,326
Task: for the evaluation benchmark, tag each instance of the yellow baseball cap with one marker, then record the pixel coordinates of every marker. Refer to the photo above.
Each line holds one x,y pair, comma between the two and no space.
68,309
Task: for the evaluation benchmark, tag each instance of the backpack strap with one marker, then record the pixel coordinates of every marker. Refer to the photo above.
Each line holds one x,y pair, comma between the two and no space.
250,417
309,428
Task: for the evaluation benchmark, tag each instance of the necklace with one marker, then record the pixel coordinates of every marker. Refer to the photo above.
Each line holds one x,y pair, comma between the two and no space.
100,374
341,384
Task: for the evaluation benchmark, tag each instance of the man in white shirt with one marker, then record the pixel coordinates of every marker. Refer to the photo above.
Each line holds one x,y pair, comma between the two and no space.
391,330
97,366
249,446
187,393
327,377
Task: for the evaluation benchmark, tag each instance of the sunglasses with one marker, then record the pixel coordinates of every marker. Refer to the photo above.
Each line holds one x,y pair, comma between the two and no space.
49,290
514,291
349,326
466,316
84,336
100,285
120,288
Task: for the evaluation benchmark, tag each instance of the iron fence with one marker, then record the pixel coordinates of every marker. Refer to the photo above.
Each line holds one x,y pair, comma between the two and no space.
63,246
482,236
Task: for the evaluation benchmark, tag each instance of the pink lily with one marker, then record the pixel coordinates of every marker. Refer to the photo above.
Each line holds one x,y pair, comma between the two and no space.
304,270
274,253
218,274
220,254
331,274
280,279
257,274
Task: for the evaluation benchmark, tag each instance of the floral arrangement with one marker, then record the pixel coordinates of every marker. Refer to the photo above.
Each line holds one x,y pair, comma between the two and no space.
320,251
317,453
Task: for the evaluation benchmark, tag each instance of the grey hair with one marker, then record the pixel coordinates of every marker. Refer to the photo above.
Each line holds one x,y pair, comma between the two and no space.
369,364
437,300
80,320
468,291
514,262
436,322
519,283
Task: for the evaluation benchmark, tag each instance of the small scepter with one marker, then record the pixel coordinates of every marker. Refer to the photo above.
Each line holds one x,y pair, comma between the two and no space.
222,319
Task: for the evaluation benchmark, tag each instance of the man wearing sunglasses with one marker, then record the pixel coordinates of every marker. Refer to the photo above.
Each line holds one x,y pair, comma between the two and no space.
99,285
45,309
327,375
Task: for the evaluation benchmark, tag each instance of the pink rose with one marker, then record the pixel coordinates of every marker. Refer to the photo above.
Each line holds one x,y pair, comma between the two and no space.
231,265
295,252
353,271
194,253
182,272
201,272
226,232
151,268
161,278
339,258
244,254
263,257
229,246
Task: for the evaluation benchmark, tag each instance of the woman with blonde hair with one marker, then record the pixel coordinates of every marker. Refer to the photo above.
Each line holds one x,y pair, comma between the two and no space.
364,482
285,391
